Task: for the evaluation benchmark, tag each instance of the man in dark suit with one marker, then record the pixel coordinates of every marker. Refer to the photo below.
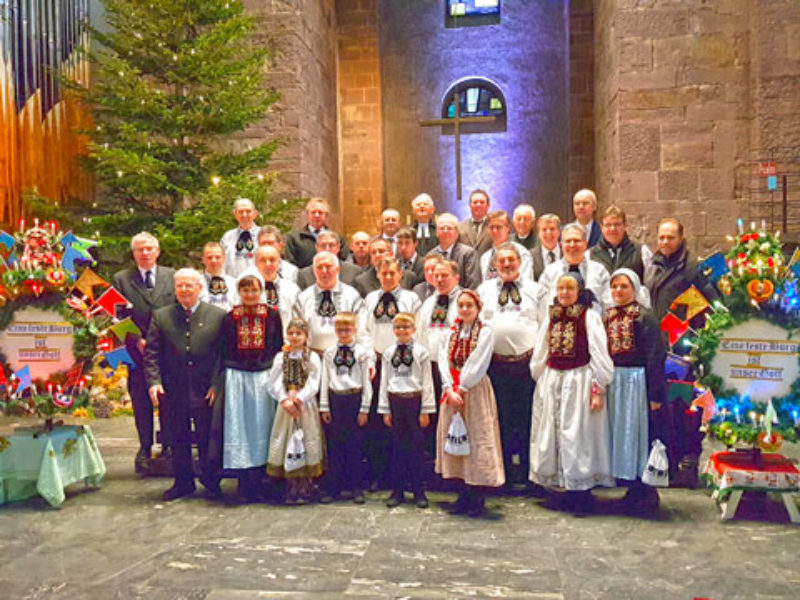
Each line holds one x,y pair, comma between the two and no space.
328,241
474,231
183,359
464,256
368,280
407,254
301,243
423,209
547,249
524,220
147,286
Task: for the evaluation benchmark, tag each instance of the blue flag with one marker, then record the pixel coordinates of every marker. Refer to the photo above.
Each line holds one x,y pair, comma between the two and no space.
714,267
24,378
120,355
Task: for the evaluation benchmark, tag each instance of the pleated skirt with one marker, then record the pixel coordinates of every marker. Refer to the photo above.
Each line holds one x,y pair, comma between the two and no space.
249,413
627,416
313,441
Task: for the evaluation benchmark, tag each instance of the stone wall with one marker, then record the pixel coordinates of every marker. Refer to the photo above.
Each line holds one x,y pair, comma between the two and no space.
525,55
687,95
303,69
360,122
581,96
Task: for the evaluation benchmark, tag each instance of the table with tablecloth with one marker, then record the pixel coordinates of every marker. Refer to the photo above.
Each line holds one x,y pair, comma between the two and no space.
730,474
35,461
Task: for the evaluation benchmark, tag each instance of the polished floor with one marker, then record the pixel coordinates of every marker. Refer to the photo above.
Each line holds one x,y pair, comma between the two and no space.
122,541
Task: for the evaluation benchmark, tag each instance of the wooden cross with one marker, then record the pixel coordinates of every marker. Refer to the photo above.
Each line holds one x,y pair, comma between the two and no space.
456,123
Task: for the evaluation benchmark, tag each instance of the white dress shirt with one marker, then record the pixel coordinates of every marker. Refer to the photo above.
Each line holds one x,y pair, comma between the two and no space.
340,379
433,336
475,366
321,332
309,391
515,326
417,378
381,331
237,261
288,271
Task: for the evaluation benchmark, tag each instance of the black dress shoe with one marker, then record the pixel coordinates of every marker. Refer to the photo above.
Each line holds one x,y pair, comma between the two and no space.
420,500
141,464
396,499
358,497
178,491
462,504
213,489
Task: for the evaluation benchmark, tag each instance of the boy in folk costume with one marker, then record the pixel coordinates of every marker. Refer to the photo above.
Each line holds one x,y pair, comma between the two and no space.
344,403
406,401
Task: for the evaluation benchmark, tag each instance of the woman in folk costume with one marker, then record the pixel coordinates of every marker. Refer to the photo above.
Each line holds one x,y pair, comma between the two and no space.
463,363
571,366
638,390
294,382
252,334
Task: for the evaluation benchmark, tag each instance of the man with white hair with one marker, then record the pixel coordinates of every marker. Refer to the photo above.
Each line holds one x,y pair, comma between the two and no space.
524,220
451,249
423,210
147,286
300,243
590,274
321,302
584,205
240,243
183,362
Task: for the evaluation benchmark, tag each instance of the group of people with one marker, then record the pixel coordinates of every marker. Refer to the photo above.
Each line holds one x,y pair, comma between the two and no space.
502,351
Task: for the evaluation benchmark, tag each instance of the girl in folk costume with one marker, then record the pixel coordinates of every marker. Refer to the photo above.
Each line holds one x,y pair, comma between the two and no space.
294,381
463,362
252,337
638,390
569,429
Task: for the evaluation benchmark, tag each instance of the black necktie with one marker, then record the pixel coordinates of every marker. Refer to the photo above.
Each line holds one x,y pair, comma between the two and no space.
245,242
551,256
188,313
326,306
387,306
509,291
271,294
439,315
148,280
345,357
402,356
217,286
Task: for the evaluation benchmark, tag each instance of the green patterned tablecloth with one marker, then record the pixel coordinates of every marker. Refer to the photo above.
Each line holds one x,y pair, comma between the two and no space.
46,463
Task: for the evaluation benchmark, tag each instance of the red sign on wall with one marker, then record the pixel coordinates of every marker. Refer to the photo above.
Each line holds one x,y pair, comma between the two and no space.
767,169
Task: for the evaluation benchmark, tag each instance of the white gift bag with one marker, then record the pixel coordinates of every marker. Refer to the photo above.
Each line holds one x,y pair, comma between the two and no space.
295,451
656,473
457,442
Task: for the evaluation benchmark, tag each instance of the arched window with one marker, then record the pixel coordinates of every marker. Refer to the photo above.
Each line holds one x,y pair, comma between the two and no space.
480,103
471,13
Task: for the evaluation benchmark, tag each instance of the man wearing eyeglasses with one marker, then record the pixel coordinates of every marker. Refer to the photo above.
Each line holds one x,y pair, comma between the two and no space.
615,249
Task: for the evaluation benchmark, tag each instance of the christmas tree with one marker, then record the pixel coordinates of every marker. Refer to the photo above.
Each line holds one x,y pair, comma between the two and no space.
173,80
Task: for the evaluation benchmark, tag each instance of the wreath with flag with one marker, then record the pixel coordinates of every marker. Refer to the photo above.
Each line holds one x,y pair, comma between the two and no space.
47,269
755,281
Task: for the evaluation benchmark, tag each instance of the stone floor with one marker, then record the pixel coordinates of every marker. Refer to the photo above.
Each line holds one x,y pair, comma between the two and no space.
122,541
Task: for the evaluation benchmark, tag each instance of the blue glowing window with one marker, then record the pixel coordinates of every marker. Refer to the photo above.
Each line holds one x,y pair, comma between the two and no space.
476,98
469,13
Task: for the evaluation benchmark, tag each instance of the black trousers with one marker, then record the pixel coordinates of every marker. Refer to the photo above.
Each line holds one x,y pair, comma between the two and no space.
513,390
143,409
344,443
377,438
408,456
181,417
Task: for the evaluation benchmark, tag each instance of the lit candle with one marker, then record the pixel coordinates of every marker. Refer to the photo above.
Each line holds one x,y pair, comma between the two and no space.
752,415
21,225
737,415
740,225
760,266
50,389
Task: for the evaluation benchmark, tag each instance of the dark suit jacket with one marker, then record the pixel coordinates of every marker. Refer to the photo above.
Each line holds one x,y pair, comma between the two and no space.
529,242
347,274
368,281
468,265
423,290
128,282
186,365
425,245
418,269
538,262
301,246
466,235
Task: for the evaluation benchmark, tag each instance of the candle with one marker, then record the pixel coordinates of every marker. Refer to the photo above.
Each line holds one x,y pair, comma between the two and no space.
21,225
763,225
752,415
50,389
740,225
736,413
